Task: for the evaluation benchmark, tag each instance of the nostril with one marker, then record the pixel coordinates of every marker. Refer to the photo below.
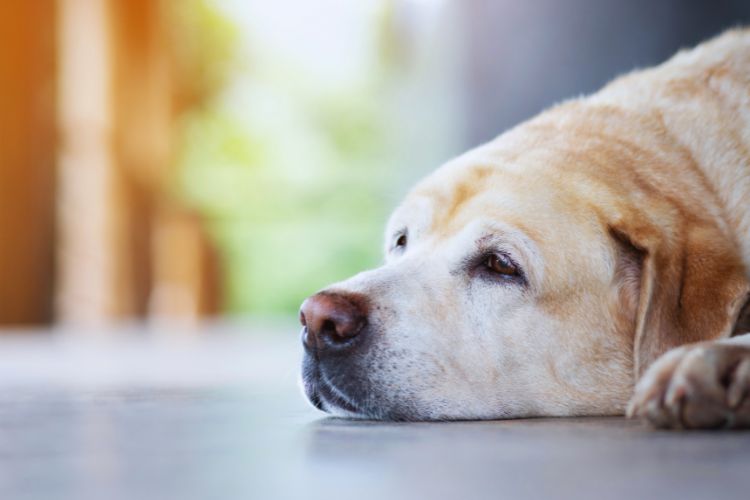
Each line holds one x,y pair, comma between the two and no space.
328,326
329,329
302,319
341,330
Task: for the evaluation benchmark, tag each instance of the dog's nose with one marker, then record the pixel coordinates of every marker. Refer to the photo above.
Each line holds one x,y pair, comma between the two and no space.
331,319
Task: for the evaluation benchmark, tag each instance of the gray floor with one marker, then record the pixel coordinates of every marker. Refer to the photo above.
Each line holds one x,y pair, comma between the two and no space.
217,415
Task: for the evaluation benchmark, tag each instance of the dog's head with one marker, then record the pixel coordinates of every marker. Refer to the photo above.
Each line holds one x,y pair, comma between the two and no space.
532,276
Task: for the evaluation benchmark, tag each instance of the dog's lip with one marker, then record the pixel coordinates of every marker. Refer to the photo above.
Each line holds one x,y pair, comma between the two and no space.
315,399
324,396
333,396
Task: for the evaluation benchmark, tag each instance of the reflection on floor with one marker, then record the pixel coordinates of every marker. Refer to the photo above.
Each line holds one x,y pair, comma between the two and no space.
217,414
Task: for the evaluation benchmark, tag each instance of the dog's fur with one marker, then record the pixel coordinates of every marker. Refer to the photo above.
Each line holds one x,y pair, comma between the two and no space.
628,215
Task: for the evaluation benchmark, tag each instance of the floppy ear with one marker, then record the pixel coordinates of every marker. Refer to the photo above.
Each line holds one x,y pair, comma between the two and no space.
692,286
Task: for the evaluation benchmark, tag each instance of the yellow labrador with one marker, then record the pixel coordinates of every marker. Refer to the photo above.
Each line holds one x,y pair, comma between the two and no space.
604,242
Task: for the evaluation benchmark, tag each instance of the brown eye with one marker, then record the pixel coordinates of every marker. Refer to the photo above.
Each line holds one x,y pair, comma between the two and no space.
501,264
401,241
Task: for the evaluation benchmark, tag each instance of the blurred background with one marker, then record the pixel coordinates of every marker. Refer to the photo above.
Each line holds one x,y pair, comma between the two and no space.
167,164
182,159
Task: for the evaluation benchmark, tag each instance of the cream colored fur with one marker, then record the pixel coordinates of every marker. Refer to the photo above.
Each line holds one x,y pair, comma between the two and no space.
628,212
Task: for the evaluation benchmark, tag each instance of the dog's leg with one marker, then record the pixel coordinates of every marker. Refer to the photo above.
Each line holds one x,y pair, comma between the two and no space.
697,386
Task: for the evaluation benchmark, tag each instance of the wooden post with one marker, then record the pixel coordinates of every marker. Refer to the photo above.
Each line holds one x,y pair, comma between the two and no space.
27,199
88,227
116,121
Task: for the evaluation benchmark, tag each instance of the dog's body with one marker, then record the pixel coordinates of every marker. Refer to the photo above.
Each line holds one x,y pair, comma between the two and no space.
544,272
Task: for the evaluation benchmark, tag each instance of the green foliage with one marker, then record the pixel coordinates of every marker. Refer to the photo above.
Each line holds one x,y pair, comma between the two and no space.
204,44
290,175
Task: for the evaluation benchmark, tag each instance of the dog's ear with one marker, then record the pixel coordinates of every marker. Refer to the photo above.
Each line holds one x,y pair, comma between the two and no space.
692,286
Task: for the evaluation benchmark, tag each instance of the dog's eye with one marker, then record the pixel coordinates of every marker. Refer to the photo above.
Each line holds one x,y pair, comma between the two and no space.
500,264
400,242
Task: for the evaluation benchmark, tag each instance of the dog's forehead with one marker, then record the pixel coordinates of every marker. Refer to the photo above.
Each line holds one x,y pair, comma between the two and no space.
463,192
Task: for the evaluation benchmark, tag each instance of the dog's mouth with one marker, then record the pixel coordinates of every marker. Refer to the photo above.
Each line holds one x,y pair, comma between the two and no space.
326,396
329,398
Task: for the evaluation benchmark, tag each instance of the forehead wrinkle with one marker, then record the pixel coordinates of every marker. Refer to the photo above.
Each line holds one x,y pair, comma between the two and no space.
498,213
462,190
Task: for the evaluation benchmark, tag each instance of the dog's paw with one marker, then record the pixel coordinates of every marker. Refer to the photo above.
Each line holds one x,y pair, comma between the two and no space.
698,386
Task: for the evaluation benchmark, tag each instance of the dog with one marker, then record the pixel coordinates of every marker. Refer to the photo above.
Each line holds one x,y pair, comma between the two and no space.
603,242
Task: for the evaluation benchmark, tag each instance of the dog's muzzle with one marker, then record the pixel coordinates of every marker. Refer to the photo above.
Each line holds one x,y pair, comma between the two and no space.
334,330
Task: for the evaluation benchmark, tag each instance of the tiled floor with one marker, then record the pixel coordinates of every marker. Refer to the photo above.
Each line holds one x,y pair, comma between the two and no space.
217,415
